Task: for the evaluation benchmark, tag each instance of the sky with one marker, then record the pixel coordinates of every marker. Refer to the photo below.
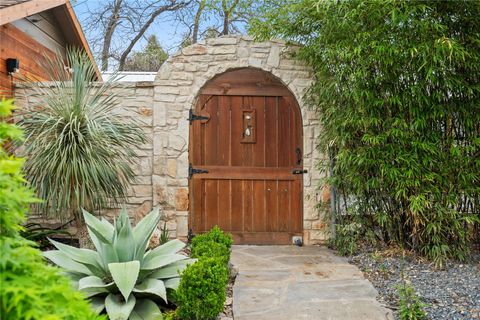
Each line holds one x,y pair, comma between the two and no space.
169,32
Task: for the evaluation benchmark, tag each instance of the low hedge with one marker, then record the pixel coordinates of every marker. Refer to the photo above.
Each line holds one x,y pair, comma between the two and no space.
202,291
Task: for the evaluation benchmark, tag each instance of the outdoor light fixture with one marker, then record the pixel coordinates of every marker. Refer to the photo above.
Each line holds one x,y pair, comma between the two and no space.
13,65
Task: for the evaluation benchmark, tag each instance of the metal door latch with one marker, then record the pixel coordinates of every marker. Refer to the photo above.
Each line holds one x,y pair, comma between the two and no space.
299,171
192,117
192,171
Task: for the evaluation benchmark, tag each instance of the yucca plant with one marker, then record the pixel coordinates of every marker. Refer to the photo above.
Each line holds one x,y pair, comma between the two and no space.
79,152
122,276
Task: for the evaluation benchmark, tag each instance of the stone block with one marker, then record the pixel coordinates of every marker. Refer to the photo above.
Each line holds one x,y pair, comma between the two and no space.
159,165
172,167
181,199
325,194
274,56
182,225
176,142
222,50
222,41
195,49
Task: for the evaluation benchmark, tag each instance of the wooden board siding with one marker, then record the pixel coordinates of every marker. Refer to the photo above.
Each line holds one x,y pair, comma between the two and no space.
16,44
45,29
249,189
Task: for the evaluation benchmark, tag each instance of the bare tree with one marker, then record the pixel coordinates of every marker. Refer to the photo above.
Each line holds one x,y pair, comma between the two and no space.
204,17
127,21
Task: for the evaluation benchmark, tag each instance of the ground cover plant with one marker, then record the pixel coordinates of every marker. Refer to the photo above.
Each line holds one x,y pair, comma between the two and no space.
122,276
79,152
398,94
202,291
30,289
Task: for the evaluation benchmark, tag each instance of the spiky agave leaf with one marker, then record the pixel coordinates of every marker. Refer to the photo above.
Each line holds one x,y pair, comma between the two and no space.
79,152
104,273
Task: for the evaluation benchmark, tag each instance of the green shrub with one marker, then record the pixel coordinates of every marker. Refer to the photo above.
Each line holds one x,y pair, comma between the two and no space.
409,306
29,288
202,293
399,114
210,249
121,276
214,235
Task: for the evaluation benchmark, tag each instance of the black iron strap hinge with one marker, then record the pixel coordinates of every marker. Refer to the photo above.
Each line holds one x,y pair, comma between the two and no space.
192,117
192,171
299,171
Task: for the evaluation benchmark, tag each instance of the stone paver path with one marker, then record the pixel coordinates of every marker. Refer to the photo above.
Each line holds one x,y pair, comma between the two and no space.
292,283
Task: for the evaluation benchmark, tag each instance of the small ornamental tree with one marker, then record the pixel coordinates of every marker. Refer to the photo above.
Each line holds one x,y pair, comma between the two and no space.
398,93
79,153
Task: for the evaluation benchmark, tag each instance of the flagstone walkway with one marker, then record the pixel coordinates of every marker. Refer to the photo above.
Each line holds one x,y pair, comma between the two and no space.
293,283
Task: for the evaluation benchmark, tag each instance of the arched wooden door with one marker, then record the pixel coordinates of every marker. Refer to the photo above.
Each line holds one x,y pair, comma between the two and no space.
245,153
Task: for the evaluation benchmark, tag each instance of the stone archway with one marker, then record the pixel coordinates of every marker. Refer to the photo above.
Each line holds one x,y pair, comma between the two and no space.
176,90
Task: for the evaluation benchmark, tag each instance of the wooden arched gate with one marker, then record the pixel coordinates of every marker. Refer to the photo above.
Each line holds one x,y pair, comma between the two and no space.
245,153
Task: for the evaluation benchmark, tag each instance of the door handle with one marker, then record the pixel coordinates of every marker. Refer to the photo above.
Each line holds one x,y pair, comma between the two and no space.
299,171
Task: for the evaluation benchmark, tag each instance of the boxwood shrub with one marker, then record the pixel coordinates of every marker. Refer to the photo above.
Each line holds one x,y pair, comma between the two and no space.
202,290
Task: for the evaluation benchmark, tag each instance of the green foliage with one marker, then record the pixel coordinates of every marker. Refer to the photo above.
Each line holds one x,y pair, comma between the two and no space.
121,276
210,249
202,290
165,234
214,235
79,151
201,293
30,289
33,290
15,196
150,59
398,93
410,307
37,233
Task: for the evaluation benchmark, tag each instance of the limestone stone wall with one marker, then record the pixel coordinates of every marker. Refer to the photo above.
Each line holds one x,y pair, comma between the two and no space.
162,109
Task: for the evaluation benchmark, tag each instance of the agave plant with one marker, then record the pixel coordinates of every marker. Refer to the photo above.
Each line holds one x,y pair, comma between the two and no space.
122,276
79,152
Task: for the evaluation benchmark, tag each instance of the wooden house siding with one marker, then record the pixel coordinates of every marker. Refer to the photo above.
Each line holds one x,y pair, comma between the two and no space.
44,28
17,44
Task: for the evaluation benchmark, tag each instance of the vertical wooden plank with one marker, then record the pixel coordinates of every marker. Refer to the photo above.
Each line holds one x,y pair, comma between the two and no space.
223,126
236,131
284,133
259,200
247,148
258,148
271,200
211,203
210,141
196,205
283,209
247,205
271,139
297,206
224,204
237,205
196,145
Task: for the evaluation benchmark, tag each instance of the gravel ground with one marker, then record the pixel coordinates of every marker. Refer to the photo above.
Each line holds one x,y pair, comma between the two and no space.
450,293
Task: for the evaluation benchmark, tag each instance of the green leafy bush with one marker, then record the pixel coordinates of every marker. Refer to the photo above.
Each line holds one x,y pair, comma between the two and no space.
30,289
210,249
214,235
120,276
201,293
409,307
397,91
